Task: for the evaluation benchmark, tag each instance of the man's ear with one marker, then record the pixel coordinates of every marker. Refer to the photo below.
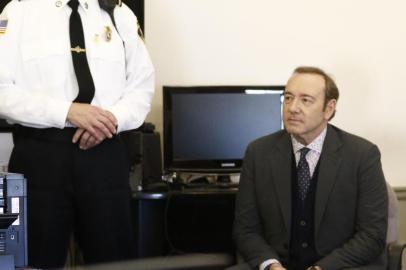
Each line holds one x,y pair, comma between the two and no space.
330,109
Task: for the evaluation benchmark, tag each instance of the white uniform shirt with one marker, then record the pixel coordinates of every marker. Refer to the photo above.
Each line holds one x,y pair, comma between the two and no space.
37,78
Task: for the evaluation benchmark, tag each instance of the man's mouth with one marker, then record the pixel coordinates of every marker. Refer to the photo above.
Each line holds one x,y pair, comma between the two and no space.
294,120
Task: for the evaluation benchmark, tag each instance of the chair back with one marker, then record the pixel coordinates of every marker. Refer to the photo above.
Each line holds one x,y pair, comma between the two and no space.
392,235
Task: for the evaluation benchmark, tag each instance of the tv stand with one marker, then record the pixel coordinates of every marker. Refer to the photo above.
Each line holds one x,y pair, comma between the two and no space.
204,180
187,220
224,179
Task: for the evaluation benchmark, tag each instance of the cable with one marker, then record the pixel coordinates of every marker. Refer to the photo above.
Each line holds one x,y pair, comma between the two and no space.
172,249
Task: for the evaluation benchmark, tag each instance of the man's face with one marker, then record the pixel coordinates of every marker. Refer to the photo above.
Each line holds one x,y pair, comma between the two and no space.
304,115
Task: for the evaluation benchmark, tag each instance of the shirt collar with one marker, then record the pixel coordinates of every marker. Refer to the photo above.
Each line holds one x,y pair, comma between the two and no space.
85,4
315,145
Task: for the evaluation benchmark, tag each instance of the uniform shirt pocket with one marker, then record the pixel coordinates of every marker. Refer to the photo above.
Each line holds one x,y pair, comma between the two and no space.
109,72
45,63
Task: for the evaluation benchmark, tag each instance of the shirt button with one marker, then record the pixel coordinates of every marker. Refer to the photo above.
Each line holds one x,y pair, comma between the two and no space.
302,223
304,245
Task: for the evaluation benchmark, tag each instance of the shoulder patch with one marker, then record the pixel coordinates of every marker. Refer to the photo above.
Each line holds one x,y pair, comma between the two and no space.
3,26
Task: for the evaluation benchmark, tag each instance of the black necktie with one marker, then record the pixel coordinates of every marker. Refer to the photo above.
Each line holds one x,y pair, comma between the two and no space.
78,50
303,174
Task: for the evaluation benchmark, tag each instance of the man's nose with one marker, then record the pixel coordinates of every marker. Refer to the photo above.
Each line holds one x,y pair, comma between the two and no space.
294,106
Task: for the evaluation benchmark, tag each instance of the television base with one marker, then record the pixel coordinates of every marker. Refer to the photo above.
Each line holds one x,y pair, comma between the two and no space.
192,179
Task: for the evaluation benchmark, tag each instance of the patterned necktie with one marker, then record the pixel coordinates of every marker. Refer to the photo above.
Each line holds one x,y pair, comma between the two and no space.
303,174
78,50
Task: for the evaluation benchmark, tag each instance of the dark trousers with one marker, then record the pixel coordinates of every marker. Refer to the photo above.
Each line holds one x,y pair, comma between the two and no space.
71,191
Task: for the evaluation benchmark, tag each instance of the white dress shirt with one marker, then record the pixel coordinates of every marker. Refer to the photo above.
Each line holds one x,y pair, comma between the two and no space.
312,159
313,155
37,78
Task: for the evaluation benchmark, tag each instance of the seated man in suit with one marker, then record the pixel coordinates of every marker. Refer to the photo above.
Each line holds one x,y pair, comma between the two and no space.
311,196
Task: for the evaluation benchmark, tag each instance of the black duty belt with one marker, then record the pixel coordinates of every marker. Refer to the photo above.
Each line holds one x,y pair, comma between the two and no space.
46,134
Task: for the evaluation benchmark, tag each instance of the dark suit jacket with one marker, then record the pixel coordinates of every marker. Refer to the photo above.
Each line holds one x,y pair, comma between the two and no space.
350,207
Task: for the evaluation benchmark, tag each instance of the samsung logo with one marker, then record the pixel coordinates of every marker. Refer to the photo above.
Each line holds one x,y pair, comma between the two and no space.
227,164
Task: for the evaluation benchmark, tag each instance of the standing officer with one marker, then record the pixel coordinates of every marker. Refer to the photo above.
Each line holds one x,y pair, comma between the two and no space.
73,76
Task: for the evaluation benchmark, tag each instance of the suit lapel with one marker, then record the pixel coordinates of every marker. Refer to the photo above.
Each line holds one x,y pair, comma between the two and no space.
281,163
330,160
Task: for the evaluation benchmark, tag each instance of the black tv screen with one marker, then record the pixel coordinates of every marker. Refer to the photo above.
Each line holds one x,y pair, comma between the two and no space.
207,128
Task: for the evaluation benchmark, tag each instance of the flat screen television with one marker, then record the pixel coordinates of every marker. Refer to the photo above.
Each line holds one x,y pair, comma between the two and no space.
207,128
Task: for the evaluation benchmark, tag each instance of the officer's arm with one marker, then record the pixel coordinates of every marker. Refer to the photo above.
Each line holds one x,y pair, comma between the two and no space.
135,103
17,102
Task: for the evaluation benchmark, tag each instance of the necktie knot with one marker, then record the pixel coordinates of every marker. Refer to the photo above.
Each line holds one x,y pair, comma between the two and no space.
303,152
73,5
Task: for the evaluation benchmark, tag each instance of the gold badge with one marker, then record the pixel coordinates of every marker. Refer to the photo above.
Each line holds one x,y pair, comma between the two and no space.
107,33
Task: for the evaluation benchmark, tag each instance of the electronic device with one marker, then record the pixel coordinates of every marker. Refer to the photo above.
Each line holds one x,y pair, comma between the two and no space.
207,128
13,221
143,147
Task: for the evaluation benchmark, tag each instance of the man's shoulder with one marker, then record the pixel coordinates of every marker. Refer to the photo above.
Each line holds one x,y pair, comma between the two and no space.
270,140
27,2
9,8
351,141
16,6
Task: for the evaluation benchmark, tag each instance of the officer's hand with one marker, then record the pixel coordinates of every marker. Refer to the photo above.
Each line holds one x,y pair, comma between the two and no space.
276,266
86,141
98,122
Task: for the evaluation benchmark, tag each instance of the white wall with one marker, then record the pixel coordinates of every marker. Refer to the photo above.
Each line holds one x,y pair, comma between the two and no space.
361,43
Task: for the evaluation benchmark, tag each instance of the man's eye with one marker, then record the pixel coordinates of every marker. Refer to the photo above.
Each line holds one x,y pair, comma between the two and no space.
288,98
